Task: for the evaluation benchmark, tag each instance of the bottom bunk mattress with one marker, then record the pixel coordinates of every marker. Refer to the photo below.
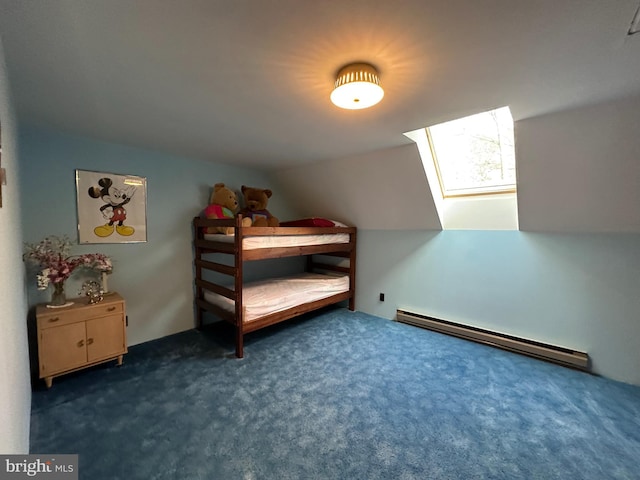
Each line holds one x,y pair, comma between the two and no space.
277,294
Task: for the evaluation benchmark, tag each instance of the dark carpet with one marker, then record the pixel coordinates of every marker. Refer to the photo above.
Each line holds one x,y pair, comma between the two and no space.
338,395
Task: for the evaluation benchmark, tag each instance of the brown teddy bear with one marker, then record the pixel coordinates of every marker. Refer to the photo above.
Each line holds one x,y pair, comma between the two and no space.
255,207
223,203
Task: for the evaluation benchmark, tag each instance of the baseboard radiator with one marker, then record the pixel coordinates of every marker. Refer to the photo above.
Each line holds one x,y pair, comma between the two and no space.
551,353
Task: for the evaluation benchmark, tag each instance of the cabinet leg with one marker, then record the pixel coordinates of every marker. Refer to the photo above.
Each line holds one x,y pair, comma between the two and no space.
48,381
120,360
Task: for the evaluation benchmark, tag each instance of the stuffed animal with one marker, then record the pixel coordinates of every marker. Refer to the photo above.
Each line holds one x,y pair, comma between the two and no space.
222,204
255,207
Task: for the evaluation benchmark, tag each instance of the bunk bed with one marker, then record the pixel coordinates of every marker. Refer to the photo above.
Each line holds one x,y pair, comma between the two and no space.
250,306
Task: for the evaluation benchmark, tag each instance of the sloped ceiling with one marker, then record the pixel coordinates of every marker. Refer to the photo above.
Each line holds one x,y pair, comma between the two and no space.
579,170
248,81
383,190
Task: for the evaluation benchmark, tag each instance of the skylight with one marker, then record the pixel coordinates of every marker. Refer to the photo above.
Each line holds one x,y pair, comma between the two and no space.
475,155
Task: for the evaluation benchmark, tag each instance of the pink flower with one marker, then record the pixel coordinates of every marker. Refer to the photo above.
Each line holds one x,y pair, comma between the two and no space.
52,256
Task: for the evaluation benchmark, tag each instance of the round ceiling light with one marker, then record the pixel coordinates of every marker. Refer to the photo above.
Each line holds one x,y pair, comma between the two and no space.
357,87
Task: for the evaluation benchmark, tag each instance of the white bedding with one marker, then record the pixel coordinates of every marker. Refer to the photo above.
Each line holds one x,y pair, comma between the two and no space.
276,294
271,241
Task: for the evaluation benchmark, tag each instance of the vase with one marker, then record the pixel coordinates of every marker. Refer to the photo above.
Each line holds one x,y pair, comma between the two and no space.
58,296
105,282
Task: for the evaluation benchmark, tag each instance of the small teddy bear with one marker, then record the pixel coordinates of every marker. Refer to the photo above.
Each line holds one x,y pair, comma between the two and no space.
223,203
255,207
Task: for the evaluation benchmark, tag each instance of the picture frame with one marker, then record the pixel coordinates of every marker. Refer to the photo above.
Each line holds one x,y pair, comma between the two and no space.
112,208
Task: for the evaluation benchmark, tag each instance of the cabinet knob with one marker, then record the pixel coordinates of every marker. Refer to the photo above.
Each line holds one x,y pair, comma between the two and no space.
54,319
111,309
81,343
89,341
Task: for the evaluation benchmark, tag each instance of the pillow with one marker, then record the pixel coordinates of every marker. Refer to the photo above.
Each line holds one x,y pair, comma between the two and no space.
309,222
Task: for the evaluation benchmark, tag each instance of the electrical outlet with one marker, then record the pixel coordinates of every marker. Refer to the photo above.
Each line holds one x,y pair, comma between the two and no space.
382,297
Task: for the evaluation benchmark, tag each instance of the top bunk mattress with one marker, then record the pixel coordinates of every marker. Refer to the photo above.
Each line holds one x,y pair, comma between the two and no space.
274,241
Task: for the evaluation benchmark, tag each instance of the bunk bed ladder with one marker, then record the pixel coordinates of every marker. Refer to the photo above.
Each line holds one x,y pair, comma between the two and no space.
237,259
199,293
352,273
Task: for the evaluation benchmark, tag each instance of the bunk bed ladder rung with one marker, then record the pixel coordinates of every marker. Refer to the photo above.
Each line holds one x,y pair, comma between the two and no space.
216,267
219,289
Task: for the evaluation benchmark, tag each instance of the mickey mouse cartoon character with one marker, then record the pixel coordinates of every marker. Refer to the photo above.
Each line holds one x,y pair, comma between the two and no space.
113,210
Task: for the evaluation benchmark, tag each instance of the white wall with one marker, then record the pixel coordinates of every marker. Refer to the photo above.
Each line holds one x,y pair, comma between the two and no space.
579,170
486,212
386,189
15,386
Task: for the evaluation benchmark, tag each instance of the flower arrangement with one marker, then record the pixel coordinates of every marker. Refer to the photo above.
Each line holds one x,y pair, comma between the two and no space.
52,256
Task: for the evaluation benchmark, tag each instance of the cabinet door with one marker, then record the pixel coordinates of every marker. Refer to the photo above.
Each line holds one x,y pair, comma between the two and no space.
62,348
105,337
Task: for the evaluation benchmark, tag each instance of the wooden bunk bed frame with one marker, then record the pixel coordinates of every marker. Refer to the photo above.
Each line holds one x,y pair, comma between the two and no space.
234,249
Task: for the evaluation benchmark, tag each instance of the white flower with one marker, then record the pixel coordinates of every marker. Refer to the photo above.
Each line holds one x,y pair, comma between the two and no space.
43,279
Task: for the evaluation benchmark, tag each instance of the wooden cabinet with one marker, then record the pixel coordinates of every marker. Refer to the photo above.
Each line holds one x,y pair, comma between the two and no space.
80,335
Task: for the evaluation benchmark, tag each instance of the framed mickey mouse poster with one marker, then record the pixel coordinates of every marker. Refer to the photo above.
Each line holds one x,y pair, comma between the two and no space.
112,208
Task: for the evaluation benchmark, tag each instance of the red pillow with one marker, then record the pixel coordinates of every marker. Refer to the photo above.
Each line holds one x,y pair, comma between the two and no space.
309,222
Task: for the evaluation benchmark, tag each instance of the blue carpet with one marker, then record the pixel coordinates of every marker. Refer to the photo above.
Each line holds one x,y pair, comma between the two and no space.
338,395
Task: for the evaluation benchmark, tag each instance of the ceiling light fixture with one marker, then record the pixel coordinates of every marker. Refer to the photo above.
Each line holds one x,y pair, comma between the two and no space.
357,87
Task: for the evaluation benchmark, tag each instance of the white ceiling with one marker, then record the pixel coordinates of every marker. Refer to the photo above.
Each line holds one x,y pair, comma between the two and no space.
248,81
